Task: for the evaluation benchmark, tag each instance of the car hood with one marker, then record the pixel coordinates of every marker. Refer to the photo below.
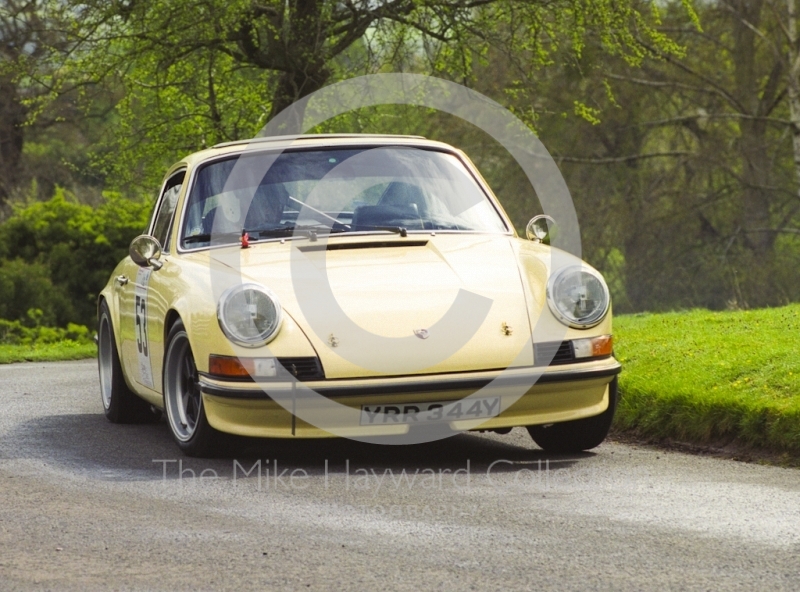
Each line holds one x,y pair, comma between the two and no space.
392,306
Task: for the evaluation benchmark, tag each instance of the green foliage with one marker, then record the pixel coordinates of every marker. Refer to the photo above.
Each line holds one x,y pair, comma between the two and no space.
47,352
29,340
27,286
217,70
57,255
712,377
19,333
174,108
588,113
689,174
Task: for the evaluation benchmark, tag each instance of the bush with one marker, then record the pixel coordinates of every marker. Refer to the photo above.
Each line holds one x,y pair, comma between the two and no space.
24,286
17,333
58,254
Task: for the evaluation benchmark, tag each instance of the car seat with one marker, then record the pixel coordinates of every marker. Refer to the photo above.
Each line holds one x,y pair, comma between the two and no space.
402,194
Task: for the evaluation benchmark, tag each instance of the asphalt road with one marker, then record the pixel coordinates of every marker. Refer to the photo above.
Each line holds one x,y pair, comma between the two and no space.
85,504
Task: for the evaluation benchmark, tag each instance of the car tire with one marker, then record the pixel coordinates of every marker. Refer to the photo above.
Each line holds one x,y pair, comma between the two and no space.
578,435
183,401
120,404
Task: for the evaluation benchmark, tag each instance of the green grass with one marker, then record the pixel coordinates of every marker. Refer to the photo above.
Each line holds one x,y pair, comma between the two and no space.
712,377
47,352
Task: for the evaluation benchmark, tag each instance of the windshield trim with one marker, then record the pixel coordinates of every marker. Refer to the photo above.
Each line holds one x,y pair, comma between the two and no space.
476,178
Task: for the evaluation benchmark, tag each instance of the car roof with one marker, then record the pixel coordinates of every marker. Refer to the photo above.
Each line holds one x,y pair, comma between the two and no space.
312,140
317,138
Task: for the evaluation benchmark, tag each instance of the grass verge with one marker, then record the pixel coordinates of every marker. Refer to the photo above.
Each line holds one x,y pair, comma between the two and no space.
47,352
712,377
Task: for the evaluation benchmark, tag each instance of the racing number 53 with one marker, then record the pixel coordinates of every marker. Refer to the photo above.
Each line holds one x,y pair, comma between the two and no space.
142,338
141,325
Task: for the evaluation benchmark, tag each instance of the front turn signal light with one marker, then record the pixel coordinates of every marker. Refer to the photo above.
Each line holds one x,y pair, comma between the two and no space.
233,367
593,347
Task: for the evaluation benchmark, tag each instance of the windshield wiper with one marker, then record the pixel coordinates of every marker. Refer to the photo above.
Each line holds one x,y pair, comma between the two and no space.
318,212
310,231
206,238
396,229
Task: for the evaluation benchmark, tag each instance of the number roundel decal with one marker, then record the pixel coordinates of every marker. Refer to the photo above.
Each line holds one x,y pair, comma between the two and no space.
140,312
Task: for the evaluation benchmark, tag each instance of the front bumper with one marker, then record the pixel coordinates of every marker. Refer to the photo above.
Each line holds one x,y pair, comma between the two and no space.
528,396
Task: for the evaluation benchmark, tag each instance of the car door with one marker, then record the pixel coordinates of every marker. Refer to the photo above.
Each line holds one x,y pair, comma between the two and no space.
143,305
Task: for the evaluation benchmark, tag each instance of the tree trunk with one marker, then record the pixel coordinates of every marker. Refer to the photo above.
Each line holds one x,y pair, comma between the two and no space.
293,86
793,87
756,198
305,32
12,119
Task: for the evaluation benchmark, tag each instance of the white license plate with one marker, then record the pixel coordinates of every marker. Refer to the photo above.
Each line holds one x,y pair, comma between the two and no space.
436,411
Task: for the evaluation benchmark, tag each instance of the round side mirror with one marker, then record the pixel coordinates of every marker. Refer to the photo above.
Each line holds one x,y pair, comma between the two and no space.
540,229
145,251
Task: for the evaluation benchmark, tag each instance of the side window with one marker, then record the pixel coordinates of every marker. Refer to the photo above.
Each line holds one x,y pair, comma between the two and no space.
166,209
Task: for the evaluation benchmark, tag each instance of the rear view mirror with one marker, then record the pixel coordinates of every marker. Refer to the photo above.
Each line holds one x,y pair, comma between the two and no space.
540,229
146,251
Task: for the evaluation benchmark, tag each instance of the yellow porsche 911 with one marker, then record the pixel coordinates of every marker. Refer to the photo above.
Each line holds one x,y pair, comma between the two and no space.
360,286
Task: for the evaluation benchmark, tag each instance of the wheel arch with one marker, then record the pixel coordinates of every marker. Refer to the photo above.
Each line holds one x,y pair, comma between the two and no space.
201,328
172,317
113,317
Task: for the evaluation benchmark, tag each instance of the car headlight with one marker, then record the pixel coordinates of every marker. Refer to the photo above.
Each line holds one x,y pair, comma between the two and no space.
578,296
249,315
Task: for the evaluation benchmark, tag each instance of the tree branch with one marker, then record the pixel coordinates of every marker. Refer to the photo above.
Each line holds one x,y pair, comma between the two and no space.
661,84
719,89
685,118
775,230
620,159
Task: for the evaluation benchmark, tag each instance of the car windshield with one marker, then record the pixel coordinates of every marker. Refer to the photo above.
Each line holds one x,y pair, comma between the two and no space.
300,192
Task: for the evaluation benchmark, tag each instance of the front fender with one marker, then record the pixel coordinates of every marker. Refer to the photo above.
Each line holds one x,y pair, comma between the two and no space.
192,300
110,294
